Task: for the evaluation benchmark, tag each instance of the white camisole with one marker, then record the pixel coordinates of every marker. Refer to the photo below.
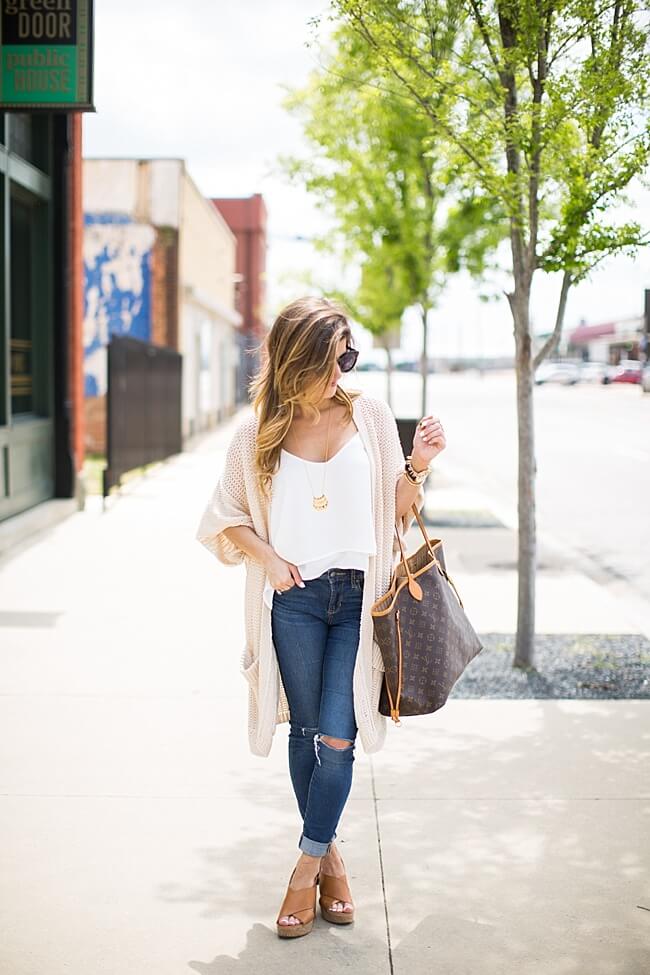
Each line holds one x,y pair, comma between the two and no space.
342,535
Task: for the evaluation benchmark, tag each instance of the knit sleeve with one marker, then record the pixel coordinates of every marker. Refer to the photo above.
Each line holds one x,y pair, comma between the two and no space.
396,451
228,507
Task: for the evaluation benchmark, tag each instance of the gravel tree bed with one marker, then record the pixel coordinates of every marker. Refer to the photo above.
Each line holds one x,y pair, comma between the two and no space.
567,665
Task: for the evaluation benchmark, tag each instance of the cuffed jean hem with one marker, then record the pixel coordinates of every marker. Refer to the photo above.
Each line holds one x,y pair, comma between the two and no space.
312,847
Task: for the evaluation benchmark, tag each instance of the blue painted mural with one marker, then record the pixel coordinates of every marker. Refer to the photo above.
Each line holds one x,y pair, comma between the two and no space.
117,289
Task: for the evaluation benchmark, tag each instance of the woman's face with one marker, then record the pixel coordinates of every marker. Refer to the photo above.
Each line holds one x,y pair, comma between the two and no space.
336,375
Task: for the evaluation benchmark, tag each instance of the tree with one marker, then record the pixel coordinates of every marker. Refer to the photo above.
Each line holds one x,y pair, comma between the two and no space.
379,301
376,168
543,104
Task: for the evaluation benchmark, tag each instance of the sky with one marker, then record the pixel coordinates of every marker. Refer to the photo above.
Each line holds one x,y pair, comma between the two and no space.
204,81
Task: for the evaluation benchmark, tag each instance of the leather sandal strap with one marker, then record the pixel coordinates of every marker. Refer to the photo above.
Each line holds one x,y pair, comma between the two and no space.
299,902
334,888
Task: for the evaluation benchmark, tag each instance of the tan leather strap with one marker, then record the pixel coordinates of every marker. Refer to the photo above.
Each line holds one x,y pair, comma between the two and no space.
334,889
299,902
412,583
394,708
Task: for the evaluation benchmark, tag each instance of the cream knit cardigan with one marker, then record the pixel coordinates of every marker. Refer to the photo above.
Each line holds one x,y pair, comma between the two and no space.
237,500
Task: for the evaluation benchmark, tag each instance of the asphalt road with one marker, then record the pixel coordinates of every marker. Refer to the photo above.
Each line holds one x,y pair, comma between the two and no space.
593,461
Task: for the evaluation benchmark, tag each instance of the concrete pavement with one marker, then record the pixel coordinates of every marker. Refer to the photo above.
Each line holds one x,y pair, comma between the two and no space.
139,834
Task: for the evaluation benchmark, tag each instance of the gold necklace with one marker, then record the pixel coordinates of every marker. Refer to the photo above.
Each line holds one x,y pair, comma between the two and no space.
320,502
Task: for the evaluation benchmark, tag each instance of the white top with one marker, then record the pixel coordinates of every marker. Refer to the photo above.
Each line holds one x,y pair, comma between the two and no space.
342,534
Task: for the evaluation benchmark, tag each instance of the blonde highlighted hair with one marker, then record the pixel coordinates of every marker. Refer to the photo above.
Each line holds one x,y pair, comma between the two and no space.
298,359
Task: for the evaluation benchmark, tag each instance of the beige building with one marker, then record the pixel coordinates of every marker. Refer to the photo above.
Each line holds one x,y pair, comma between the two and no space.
159,265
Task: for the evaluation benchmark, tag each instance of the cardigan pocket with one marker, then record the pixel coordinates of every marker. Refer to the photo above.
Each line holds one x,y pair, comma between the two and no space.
250,670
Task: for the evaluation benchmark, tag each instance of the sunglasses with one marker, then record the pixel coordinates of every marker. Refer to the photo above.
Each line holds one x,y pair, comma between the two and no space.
348,360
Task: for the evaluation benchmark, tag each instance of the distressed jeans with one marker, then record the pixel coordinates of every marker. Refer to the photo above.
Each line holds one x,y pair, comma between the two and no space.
316,637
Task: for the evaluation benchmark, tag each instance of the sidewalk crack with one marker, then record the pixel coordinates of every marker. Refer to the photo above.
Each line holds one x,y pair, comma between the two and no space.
381,867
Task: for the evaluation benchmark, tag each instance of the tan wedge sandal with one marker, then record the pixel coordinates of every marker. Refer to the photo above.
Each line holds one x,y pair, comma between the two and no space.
334,889
302,904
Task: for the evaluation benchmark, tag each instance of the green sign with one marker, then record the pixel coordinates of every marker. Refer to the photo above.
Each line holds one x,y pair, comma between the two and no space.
46,51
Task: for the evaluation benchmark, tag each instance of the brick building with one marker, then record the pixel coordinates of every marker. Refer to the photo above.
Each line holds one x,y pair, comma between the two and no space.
246,217
159,265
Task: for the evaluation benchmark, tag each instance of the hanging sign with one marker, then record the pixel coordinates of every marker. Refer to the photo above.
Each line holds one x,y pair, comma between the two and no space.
46,51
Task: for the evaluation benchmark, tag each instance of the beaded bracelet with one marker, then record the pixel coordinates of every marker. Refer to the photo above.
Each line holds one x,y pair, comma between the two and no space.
415,477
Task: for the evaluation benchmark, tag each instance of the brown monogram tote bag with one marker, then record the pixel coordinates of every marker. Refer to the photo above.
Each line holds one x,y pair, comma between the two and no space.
424,635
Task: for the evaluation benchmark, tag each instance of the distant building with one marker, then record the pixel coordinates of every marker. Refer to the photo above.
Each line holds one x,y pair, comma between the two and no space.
246,217
159,264
607,342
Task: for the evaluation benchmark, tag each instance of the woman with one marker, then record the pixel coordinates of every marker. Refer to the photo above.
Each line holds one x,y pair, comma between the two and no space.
314,488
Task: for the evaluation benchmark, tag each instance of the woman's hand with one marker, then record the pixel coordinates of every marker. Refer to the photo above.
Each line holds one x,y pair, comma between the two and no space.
282,574
428,441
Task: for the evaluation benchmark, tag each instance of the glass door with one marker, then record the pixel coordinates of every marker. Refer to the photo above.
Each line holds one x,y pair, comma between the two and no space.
26,425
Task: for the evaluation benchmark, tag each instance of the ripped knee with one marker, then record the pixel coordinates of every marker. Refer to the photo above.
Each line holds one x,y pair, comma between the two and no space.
336,742
339,744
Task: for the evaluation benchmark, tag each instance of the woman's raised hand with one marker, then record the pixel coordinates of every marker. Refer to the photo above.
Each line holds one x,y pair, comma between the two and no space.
428,441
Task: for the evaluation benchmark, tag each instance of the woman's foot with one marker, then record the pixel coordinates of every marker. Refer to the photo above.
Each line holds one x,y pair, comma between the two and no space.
332,864
304,876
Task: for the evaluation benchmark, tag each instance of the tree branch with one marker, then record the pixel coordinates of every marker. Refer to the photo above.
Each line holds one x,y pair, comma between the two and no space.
551,343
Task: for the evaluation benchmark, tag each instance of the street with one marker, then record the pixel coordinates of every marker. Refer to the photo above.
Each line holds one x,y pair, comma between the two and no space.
593,461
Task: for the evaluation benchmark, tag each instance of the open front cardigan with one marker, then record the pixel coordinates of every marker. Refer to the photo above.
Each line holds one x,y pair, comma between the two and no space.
237,500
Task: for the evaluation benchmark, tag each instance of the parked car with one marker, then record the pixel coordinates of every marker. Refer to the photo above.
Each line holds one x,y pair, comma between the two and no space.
627,371
368,365
557,371
594,372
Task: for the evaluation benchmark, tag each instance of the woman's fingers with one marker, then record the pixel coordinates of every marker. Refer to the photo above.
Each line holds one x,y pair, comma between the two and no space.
296,576
430,427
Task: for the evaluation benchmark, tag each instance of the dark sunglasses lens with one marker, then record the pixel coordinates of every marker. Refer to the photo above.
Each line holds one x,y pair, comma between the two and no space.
348,359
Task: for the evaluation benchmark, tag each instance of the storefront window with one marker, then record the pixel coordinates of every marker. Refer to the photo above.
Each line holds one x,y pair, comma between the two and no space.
29,139
21,341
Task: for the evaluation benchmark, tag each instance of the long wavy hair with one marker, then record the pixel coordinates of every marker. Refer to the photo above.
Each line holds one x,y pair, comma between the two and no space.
298,358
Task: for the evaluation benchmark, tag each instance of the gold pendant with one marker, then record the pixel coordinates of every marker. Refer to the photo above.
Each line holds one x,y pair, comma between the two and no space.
320,503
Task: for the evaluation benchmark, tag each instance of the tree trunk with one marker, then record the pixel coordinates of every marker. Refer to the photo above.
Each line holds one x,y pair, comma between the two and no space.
527,469
424,361
389,377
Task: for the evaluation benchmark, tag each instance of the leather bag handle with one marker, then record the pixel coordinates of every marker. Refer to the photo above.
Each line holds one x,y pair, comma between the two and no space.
414,587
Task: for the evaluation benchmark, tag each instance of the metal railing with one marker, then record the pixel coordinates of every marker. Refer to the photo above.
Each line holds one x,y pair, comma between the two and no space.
143,406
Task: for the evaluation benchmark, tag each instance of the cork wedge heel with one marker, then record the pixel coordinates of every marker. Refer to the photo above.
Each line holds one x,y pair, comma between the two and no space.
302,904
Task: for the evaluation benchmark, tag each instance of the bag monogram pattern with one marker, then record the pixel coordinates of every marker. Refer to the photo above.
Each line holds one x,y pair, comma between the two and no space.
425,637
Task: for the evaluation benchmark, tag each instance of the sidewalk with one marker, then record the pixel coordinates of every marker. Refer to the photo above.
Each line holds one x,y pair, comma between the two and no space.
140,834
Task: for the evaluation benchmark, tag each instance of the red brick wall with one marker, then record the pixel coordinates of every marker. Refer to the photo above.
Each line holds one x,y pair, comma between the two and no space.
164,288
95,424
246,217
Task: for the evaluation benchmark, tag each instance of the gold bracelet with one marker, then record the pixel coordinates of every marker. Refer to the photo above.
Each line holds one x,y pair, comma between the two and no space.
416,476
409,478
